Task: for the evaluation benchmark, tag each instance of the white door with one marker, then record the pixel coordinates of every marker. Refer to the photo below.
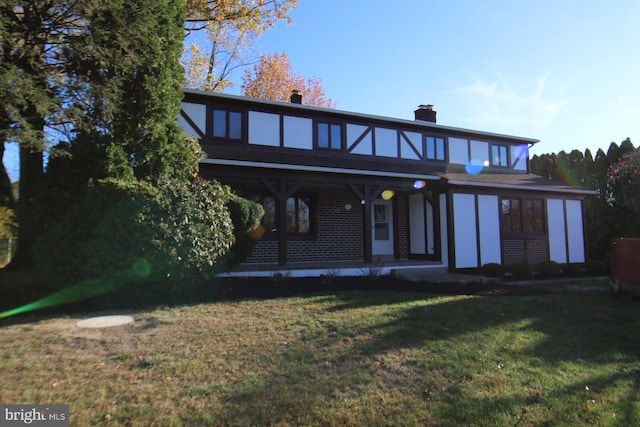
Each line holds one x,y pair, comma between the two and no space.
382,228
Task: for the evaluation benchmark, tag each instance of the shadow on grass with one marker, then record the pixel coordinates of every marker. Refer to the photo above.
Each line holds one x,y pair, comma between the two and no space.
548,358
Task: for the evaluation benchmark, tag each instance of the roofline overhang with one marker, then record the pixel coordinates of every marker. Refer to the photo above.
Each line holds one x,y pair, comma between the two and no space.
318,169
522,187
434,126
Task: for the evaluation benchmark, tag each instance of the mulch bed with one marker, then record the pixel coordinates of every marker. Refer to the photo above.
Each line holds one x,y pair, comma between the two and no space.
261,288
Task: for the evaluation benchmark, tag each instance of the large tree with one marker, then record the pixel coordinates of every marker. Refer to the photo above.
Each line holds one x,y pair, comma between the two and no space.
31,96
126,64
220,36
273,78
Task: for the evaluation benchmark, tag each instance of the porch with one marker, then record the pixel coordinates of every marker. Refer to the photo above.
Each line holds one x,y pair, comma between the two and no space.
380,266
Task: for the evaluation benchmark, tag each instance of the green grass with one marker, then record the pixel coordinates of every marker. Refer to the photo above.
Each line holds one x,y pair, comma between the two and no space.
378,359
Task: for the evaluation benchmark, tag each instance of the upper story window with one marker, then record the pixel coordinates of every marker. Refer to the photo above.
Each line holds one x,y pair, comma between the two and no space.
435,148
499,156
227,124
330,136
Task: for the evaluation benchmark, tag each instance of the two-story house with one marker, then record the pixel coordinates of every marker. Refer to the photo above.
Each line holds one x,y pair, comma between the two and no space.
342,188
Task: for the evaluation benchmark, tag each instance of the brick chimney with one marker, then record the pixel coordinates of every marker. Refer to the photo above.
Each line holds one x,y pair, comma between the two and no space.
296,98
426,113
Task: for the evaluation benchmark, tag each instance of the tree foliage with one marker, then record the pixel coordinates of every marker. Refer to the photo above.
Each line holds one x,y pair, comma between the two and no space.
273,78
221,35
615,175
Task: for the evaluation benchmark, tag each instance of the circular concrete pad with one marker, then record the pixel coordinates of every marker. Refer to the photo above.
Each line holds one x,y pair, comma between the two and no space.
104,321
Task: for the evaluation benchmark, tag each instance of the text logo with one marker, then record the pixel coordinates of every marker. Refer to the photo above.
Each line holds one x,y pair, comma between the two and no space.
34,415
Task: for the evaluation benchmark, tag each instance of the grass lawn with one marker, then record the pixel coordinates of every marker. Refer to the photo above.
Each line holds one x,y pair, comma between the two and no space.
570,357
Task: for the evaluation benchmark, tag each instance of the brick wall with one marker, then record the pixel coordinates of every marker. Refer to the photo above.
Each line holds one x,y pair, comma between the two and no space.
339,231
537,251
513,250
531,251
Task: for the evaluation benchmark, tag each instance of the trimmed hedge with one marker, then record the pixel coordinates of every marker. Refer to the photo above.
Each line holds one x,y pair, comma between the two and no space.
549,268
522,271
492,269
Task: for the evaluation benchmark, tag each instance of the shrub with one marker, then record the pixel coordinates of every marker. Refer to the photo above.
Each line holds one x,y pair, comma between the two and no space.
246,216
522,271
549,268
169,237
596,267
492,269
572,269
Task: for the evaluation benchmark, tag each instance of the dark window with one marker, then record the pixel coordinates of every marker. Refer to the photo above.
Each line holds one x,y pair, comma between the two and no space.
298,214
330,136
535,216
435,148
499,156
227,124
269,218
511,216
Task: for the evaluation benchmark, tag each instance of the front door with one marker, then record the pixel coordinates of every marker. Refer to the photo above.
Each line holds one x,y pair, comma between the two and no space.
382,228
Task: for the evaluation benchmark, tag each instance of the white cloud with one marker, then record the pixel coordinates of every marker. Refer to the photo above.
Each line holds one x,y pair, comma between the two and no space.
496,103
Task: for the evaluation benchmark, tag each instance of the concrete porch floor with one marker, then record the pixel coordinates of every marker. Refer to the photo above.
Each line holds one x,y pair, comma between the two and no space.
380,266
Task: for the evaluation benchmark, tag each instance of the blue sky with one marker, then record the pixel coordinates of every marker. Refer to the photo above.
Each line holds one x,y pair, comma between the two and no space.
564,72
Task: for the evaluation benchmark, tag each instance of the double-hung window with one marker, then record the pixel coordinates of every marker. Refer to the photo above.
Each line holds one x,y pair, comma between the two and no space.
227,124
330,136
435,148
298,215
499,156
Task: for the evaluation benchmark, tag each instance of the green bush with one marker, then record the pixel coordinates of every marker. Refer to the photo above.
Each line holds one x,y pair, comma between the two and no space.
522,271
572,269
492,269
549,268
246,216
169,237
596,267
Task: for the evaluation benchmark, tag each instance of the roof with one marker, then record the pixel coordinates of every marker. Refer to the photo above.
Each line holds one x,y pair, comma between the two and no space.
404,122
517,181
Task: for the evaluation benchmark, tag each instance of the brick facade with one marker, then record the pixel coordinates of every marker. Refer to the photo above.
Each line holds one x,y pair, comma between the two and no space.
531,251
338,231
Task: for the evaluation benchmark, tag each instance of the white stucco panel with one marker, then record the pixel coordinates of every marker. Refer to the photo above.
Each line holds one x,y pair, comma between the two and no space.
417,224
557,233
464,230
198,115
519,156
575,231
458,151
444,239
354,132
298,132
488,219
480,152
386,142
264,128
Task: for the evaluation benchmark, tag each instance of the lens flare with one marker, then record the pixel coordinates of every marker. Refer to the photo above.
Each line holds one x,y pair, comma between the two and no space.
86,289
474,166
388,194
347,207
419,184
